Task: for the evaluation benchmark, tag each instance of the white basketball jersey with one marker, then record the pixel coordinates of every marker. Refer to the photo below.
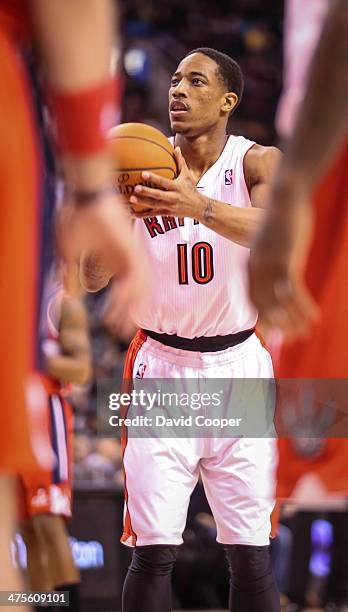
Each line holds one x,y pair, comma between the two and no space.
199,278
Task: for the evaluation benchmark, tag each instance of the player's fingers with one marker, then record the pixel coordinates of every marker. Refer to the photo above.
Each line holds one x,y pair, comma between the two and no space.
275,308
300,308
158,180
154,203
144,213
149,212
278,298
305,309
148,192
309,305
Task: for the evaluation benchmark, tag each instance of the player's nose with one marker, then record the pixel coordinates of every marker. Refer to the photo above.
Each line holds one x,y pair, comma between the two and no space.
179,90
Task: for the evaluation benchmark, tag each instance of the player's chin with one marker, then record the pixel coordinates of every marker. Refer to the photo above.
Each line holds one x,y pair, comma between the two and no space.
179,127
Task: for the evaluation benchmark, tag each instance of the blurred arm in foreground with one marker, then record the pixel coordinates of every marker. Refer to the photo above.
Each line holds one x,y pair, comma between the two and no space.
278,257
76,41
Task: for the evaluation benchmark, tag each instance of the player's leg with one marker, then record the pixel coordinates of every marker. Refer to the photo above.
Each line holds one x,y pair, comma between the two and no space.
47,497
54,539
51,525
50,561
39,577
160,476
242,501
239,479
148,585
9,579
252,582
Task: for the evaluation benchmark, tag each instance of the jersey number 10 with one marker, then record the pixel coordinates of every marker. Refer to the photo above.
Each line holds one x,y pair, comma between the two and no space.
201,261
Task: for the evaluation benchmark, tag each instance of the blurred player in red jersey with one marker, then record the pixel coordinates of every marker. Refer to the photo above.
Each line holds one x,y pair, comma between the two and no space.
298,266
74,41
47,496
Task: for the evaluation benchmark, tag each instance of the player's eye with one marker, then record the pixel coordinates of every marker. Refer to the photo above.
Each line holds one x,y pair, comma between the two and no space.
197,81
174,82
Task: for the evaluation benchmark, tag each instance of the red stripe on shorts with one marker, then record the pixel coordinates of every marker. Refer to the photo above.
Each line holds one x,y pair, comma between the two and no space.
127,386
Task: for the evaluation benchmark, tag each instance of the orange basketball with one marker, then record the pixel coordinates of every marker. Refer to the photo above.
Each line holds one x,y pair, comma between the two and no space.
136,147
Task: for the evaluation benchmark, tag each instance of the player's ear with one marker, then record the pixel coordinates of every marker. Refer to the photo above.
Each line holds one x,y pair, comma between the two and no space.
230,101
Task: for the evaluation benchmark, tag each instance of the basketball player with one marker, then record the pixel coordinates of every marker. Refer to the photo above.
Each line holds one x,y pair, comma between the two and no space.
75,44
298,266
198,322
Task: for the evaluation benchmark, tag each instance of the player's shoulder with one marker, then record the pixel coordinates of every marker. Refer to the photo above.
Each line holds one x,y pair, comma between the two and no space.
260,161
259,153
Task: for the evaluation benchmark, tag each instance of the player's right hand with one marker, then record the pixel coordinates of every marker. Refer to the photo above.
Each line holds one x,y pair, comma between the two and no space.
104,227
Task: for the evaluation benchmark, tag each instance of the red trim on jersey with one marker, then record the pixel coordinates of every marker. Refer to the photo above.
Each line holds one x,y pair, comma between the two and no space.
134,348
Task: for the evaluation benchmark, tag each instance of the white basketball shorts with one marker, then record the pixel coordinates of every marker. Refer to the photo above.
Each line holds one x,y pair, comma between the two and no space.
238,473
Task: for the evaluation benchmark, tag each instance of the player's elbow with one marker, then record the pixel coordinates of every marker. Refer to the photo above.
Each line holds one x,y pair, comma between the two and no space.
93,285
93,275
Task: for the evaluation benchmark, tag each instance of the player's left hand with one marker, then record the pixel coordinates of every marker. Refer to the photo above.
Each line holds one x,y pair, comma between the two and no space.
176,198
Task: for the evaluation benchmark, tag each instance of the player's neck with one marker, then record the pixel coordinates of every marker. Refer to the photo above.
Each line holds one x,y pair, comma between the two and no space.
201,152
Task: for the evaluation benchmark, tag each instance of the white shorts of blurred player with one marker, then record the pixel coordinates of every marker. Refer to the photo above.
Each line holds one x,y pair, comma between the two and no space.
238,473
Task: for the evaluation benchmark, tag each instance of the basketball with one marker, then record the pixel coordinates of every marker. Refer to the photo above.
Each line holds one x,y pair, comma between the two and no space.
136,147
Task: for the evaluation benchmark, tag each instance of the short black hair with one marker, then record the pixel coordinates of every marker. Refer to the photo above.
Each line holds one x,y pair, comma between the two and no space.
230,72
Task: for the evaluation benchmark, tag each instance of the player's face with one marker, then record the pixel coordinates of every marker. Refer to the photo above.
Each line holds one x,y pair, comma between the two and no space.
196,96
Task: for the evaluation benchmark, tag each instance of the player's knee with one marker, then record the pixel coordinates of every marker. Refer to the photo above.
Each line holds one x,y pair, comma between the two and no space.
250,567
156,560
49,526
28,533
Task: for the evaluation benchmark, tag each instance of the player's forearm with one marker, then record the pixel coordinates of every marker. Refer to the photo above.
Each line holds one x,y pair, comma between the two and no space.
322,124
237,224
75,40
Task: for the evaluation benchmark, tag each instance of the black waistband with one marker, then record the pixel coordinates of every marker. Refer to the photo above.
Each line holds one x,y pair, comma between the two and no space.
209,344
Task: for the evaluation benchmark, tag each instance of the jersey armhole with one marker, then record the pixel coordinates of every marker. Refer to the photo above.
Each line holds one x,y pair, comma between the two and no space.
250,145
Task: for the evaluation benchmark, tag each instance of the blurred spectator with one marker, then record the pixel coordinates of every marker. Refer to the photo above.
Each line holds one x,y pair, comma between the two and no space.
82,447
97,462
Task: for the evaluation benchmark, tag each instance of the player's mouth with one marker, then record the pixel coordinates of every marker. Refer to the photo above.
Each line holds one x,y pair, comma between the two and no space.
177,109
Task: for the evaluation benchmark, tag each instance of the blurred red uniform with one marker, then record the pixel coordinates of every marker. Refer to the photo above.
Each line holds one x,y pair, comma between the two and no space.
324,354
50,491
19,187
